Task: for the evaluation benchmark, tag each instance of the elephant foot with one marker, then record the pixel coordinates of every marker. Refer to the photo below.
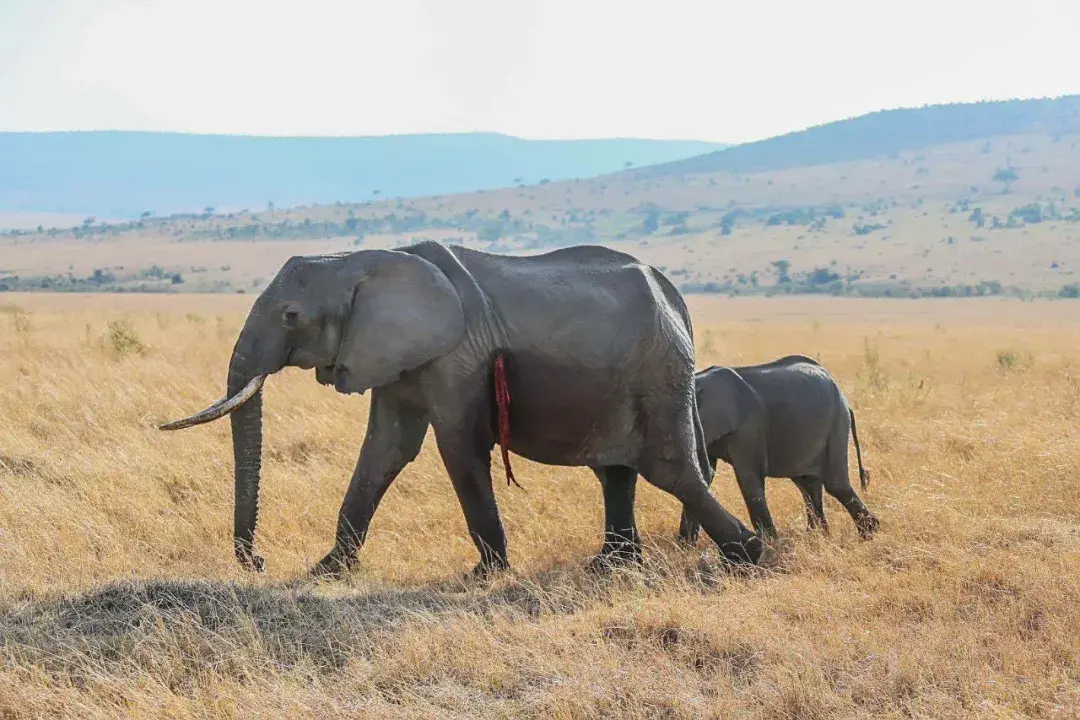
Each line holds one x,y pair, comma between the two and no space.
689,531
688,538
249,559
747,552
332,567
484,571
615,556
766,532
867,526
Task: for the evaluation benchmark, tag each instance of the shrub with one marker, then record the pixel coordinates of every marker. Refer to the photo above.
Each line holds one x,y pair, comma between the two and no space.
1030,214
1008,359
122,339
868,228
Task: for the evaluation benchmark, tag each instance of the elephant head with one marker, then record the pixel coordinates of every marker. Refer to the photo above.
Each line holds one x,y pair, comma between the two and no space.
360,320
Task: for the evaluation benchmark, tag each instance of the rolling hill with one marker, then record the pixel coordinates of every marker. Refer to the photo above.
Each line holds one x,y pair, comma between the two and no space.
123,174
945,200
886,133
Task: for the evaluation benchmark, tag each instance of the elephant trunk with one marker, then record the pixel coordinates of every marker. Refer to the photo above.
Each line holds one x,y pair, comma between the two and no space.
243,403
247,456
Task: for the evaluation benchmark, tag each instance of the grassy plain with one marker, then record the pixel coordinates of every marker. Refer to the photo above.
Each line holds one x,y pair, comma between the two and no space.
119,596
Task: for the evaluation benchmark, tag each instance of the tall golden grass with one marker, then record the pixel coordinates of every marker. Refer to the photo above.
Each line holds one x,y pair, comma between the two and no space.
120,597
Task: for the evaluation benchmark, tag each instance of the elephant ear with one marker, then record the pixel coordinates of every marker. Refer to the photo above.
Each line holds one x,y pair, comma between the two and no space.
725,402
404,313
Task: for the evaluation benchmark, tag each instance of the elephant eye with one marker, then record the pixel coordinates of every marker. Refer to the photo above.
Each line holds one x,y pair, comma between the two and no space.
290,315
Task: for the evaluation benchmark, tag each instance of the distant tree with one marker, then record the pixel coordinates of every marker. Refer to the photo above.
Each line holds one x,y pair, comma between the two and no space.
780,269
978,217
835,211
490,232
651,222
270,206
544,181
176,279
101,277
727,224
1072,290
1006,176
208,210
822,276
87,222
504,216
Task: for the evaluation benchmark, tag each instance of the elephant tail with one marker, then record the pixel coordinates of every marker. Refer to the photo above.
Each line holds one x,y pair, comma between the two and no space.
702,450
864,475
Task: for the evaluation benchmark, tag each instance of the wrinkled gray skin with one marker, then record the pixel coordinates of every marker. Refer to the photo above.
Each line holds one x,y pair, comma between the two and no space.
599,363
783,419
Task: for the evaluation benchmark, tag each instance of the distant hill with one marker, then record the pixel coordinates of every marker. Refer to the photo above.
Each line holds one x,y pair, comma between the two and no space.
885,133
122,174
938,201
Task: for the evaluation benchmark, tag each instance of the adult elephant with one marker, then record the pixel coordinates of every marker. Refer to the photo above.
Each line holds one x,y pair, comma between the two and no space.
784,419
595,348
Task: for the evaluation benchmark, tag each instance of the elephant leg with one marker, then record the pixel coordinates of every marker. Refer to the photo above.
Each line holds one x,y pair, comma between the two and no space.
752,486
669,461
462,422
689,529
810,487
622,544
471,477
394,435
838,485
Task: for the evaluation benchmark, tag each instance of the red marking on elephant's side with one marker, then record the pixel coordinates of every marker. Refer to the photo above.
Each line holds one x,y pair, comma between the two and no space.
502,399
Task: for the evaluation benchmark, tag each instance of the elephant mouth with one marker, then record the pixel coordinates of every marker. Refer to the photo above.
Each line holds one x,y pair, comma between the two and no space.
335,376
341,380
324,374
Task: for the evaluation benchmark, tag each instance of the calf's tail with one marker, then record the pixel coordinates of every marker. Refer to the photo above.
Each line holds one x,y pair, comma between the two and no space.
864,475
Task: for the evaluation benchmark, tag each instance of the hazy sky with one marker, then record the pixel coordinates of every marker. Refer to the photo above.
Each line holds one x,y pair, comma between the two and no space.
714,70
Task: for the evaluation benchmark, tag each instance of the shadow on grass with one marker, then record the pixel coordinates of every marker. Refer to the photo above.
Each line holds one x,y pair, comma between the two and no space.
176,629
138,626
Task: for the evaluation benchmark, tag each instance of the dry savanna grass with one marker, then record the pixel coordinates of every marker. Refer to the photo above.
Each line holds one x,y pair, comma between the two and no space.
119,595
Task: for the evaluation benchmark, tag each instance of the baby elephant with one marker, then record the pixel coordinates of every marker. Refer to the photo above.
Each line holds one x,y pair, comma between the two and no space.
784,419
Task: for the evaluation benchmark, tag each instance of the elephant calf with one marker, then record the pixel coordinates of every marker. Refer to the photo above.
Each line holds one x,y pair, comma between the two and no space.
783,419
788,419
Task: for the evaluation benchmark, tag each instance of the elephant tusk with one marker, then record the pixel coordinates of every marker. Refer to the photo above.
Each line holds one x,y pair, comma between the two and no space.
219,409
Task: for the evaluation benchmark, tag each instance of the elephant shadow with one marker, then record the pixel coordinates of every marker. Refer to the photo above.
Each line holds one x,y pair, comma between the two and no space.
144,626
140,626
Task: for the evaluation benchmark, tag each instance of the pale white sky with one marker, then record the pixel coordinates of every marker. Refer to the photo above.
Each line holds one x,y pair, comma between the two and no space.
716,70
